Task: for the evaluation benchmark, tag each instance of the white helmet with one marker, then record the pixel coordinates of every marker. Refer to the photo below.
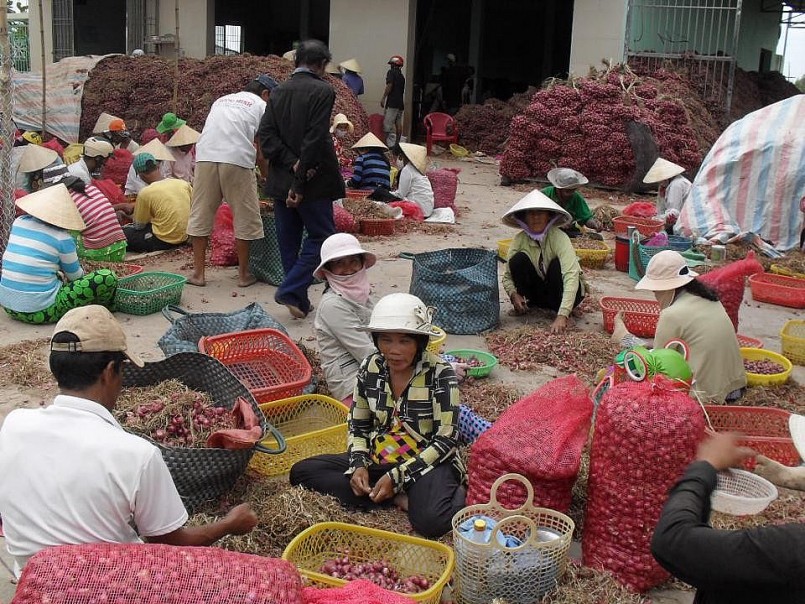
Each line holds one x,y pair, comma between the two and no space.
402,313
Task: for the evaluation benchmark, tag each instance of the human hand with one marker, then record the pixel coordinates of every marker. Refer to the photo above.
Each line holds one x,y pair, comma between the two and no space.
383,489
595,225
295,166
559,324
519,303
721,450
359,482
240,519
460,369
619,331
383,103
293,199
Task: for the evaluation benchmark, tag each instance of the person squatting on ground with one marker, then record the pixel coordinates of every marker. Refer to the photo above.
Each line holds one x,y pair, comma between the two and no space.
564,190
403,426
673,190
412,183
371,168
96,151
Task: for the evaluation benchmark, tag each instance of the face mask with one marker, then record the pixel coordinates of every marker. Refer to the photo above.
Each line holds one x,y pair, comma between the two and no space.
355,287
665,298
341,133
400,164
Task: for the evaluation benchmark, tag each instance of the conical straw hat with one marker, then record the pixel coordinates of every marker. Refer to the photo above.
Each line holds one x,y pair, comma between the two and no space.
332,68
536,200
341,119
369,141
351,65
417,155
102,123
55,206
662,169
157,149
36,158
183,136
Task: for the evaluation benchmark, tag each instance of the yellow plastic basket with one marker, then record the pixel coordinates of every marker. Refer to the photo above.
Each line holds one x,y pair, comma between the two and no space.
782,270
409,556
793,336
503,248
593,258
458,150
435,345
312,424
758,379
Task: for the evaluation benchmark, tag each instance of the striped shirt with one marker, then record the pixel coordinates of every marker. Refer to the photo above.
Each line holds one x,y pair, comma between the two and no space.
103,228
370,170
428,410
35,252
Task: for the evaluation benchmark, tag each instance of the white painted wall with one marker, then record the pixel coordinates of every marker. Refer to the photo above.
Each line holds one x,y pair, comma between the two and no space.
599,27
196,26
35,36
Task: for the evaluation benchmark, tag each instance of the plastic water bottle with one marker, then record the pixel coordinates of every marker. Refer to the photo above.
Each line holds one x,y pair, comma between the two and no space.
478,529
471,562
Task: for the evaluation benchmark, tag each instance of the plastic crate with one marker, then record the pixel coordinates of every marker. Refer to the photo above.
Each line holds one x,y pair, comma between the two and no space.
503,248
435,345
748,342
793,337
489,361
593,257
322,542
267,361
311,424
359,193
676,243
758,379
645,226
778,289
377,226
149,292
639,315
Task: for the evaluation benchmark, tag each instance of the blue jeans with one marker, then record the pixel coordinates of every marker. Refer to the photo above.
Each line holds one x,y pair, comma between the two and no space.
315,216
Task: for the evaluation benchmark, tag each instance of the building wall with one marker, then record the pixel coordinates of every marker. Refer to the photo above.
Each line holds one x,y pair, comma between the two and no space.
35,36
758,30
196,26
598,30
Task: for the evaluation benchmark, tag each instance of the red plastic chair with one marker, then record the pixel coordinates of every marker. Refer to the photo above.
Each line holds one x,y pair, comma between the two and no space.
440,127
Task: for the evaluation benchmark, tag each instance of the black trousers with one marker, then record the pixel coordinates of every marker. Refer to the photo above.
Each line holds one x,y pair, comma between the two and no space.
433,500
539,292
144,240
383,194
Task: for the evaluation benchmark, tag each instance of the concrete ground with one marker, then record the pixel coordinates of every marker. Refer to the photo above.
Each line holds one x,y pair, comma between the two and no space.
481,202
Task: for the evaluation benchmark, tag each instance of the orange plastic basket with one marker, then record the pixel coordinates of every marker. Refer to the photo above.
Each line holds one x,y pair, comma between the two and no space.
359,193
377,226
640,316
646,226
121,269
748,342
267,361
778,289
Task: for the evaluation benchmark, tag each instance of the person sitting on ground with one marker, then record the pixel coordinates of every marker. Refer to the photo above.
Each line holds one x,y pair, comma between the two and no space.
182,146
160,214
371,168
412,183
690,311
33,160
163,155
564,191
352,77
41,278
118,134
761,564
103,238
70,474
403,426
340,129
96,151
542,269
672,192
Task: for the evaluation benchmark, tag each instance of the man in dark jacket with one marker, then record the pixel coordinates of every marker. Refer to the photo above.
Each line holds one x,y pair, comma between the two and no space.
304,178
764,564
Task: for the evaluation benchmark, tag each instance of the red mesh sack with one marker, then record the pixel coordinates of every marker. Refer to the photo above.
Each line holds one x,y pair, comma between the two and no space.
641,209
54,145
358,591
154,574
411,209
117,166
111,190
729,283
646,433
222,241
444,183
540,437
344,221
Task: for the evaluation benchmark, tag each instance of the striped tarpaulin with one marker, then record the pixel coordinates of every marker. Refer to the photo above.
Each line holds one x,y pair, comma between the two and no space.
753,179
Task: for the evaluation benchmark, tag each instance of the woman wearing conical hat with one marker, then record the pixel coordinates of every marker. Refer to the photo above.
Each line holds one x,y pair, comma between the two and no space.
673,189
371,168
182,146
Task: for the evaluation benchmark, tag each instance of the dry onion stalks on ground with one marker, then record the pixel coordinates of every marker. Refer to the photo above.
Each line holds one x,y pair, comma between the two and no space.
364,208
488,399
605,215
312,356
584,585
789,507
26,364
790,396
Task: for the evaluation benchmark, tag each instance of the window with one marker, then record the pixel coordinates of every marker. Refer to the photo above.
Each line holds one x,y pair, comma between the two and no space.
228,39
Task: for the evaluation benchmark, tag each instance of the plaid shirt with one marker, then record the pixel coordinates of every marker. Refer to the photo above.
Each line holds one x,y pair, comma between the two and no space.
428,410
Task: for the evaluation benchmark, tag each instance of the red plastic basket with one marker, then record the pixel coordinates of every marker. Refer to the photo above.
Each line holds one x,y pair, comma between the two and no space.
267,361
377,226
748,342
778,289
359,193
764,429
640,316
646,226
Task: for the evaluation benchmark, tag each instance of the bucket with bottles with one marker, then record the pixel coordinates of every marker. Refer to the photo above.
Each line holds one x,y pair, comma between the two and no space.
517,555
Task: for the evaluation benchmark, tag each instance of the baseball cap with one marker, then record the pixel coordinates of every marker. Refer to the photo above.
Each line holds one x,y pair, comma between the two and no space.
117,125
267,81
144,162
97,330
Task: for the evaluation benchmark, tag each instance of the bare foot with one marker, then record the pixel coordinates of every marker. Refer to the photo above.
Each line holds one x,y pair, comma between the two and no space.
197,281
249,280
401,501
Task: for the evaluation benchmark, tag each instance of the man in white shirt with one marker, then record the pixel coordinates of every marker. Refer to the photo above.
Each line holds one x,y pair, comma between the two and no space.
96,151
69,473
226,155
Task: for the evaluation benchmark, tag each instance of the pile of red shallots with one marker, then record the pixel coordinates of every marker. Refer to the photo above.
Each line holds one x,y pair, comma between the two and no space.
379,572
763,367
581,124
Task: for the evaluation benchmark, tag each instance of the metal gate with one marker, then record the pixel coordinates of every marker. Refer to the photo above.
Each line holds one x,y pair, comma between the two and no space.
698,35
63,35
19,42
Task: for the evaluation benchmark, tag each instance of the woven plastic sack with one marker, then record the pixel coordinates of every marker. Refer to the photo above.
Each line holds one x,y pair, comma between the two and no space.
646,433
54,145
120,573
470,425
358,591
110,189
540,437
116,167
463,286
730,282
444,183
265,262
188,328
222,240
641,209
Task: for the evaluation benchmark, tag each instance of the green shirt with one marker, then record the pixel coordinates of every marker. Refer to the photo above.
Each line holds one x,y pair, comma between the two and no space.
576,205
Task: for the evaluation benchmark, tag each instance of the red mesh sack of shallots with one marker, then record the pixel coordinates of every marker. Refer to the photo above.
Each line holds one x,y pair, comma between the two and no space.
222,241
358,591
645,435
541,437
154,574
641,209
344,221
116,167
729,282
444,183
111,191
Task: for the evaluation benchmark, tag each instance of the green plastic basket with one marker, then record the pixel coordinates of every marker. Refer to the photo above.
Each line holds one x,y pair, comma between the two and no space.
147,293
489,361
